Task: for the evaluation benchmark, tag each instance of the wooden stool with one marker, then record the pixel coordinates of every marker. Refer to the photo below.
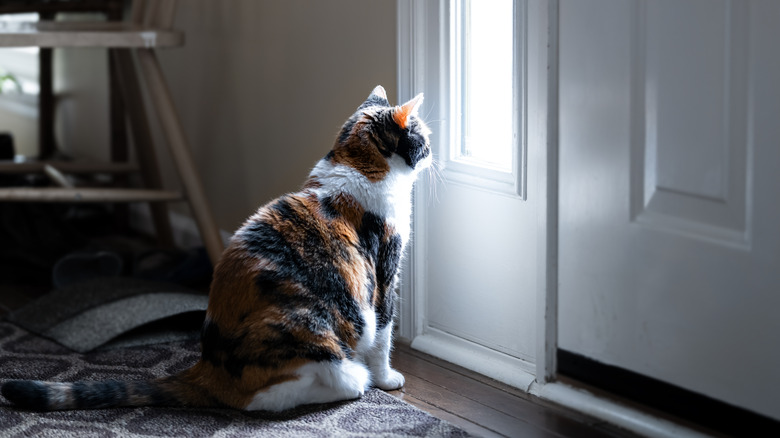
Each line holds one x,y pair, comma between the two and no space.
149,28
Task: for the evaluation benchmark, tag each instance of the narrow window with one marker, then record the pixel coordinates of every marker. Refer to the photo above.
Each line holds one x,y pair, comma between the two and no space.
487,147
486,83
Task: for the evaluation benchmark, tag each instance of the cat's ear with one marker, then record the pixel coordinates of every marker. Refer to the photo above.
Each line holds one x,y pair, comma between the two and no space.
379,92
377,97
402,113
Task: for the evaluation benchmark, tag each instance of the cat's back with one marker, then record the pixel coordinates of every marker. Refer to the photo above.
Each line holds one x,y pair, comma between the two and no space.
298,251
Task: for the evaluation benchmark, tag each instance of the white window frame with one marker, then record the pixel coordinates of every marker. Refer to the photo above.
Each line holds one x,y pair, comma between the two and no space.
427,62
465,171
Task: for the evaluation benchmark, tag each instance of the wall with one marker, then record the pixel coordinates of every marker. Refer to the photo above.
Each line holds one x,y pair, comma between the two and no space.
262,88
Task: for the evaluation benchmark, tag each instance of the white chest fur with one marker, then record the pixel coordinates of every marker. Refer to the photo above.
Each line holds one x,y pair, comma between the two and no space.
389,198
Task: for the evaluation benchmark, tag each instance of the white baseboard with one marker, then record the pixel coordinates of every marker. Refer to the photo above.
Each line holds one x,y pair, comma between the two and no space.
185,230
491,363
612,412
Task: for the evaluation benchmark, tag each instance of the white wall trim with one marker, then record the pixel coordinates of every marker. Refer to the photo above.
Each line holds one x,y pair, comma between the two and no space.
499,366
419,56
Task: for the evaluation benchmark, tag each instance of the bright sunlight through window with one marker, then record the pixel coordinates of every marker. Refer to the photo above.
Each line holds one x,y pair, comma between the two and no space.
18,65
486,83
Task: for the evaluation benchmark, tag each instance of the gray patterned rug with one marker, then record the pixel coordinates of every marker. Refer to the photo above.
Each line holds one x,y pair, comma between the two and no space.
24,355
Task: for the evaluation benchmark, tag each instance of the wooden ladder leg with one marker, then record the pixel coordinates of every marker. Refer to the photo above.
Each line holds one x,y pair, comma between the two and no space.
169,120
46,139
118,141
118,126
130,89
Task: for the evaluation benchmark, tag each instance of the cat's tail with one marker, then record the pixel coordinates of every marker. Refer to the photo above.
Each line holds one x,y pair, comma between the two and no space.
175,390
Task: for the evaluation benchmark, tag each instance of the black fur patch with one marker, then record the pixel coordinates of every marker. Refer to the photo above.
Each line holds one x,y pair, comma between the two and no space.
387,267
346,130
307,262
371,285
313,269
380,130
27,394
94,395
370,233
221,350
328,208
411,146
385,256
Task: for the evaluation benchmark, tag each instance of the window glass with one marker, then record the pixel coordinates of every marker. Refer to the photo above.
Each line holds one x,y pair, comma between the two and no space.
486,83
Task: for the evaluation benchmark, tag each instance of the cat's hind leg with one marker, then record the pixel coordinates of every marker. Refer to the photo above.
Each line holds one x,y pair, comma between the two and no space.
319,382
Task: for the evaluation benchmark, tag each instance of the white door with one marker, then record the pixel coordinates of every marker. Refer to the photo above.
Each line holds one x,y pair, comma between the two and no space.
670,192
472,284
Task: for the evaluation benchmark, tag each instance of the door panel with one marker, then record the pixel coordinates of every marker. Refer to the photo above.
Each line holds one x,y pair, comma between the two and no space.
689,115
669,145
482,286
687,95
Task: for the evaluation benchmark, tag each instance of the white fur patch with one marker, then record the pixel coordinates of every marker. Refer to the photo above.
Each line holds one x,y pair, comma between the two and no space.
320,382
61,395
378,361
390,198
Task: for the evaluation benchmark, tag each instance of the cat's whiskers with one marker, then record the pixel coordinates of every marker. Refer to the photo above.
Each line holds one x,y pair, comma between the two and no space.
434,178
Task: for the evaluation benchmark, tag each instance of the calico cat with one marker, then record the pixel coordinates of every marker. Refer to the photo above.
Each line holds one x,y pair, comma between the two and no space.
301,303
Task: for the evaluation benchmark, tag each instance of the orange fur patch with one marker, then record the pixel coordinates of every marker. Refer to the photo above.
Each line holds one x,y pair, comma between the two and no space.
401,115
365,158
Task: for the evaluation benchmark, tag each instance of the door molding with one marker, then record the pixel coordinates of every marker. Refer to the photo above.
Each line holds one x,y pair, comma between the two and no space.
663,195
545,100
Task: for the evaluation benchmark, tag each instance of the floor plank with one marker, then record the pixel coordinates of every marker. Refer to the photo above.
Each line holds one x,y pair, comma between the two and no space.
478,413
468,426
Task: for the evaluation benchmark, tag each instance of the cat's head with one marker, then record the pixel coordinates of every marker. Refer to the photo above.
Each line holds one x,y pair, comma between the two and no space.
380,138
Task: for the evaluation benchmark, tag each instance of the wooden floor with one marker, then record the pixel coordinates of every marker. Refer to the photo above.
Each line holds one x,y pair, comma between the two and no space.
485,407
479,405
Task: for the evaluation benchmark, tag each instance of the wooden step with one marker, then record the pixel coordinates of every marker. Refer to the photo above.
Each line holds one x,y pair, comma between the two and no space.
86,34
77,167
61,194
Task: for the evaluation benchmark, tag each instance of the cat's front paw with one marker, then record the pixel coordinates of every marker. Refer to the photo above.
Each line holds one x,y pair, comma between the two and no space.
389,380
